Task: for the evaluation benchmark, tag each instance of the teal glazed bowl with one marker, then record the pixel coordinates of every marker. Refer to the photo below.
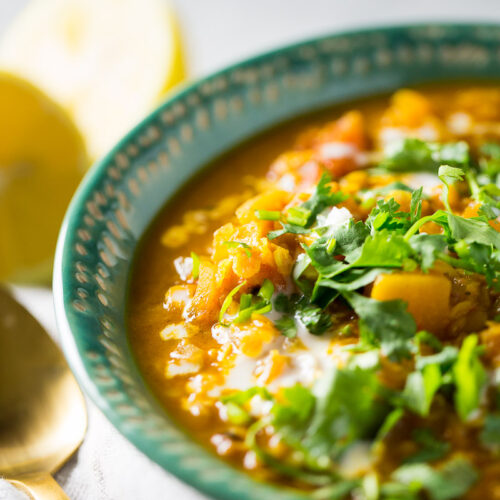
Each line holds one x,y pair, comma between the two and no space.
122,193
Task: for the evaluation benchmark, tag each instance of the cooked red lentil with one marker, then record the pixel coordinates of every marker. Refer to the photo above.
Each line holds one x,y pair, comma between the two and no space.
323,308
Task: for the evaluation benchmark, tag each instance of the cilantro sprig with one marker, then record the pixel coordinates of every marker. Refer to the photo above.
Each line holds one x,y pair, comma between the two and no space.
348,405
299,219
415,155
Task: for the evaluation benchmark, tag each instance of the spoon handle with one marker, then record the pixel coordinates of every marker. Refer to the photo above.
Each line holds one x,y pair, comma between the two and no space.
40,487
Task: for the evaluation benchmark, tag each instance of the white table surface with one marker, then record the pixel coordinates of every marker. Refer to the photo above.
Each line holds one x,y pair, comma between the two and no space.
216,33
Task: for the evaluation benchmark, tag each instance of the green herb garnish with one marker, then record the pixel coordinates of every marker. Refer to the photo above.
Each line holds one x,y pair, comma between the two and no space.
196,265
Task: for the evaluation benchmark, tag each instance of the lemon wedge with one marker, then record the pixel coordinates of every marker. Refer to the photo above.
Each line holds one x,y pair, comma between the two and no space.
42,159
106,62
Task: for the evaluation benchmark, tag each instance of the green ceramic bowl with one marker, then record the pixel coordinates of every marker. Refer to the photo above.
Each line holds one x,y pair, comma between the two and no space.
121,195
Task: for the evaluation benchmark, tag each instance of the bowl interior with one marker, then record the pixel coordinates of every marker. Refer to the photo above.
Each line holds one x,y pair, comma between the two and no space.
121,195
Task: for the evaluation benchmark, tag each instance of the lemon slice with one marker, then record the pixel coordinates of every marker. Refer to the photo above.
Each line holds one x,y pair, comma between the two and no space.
107,62
42,159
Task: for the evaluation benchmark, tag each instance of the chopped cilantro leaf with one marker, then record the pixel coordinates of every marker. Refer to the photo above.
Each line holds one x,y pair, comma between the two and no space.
287,228
314,318
285,304
353,280
389,423
385,323
444,359
349,397
383,249
408,154
491,149
349,237
428,247
490,434
421,386
470,376
454,153
473,231
297,406
322,260
425,337
337,491
389,188
430,447
299,219
286,325
411,154
449,482
386,215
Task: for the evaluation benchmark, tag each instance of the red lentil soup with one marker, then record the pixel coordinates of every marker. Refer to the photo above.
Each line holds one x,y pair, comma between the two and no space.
322,307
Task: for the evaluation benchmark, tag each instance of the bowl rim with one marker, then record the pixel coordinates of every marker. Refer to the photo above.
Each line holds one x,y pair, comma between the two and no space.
67,337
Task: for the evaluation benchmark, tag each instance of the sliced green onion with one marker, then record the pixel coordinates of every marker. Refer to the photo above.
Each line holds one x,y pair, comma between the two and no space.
196,266
286,325
245,301
244,315
298,216
331,245
264,309
266,290
236,414
267,214
228,299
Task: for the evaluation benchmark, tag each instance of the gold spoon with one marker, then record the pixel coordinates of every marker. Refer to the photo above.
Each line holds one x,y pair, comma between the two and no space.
42,411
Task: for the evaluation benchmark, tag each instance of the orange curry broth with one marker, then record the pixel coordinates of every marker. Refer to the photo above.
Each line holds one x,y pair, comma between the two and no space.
187,224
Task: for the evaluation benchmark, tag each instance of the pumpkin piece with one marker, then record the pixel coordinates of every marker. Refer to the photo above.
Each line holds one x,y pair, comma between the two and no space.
290,162
284,261
245,265
403,198
254,337
226,280
270,200
408,109
354,181
490,338
223,234
205,304
472,210
427,296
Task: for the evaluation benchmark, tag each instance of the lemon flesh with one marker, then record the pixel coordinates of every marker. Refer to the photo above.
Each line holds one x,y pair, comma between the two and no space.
42,159
107,62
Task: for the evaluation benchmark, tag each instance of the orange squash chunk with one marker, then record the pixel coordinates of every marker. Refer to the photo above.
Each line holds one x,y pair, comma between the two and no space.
408,108
427,296
269,200
205,303
472,210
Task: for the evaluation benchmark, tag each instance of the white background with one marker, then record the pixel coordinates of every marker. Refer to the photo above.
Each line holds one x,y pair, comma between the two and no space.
216,33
